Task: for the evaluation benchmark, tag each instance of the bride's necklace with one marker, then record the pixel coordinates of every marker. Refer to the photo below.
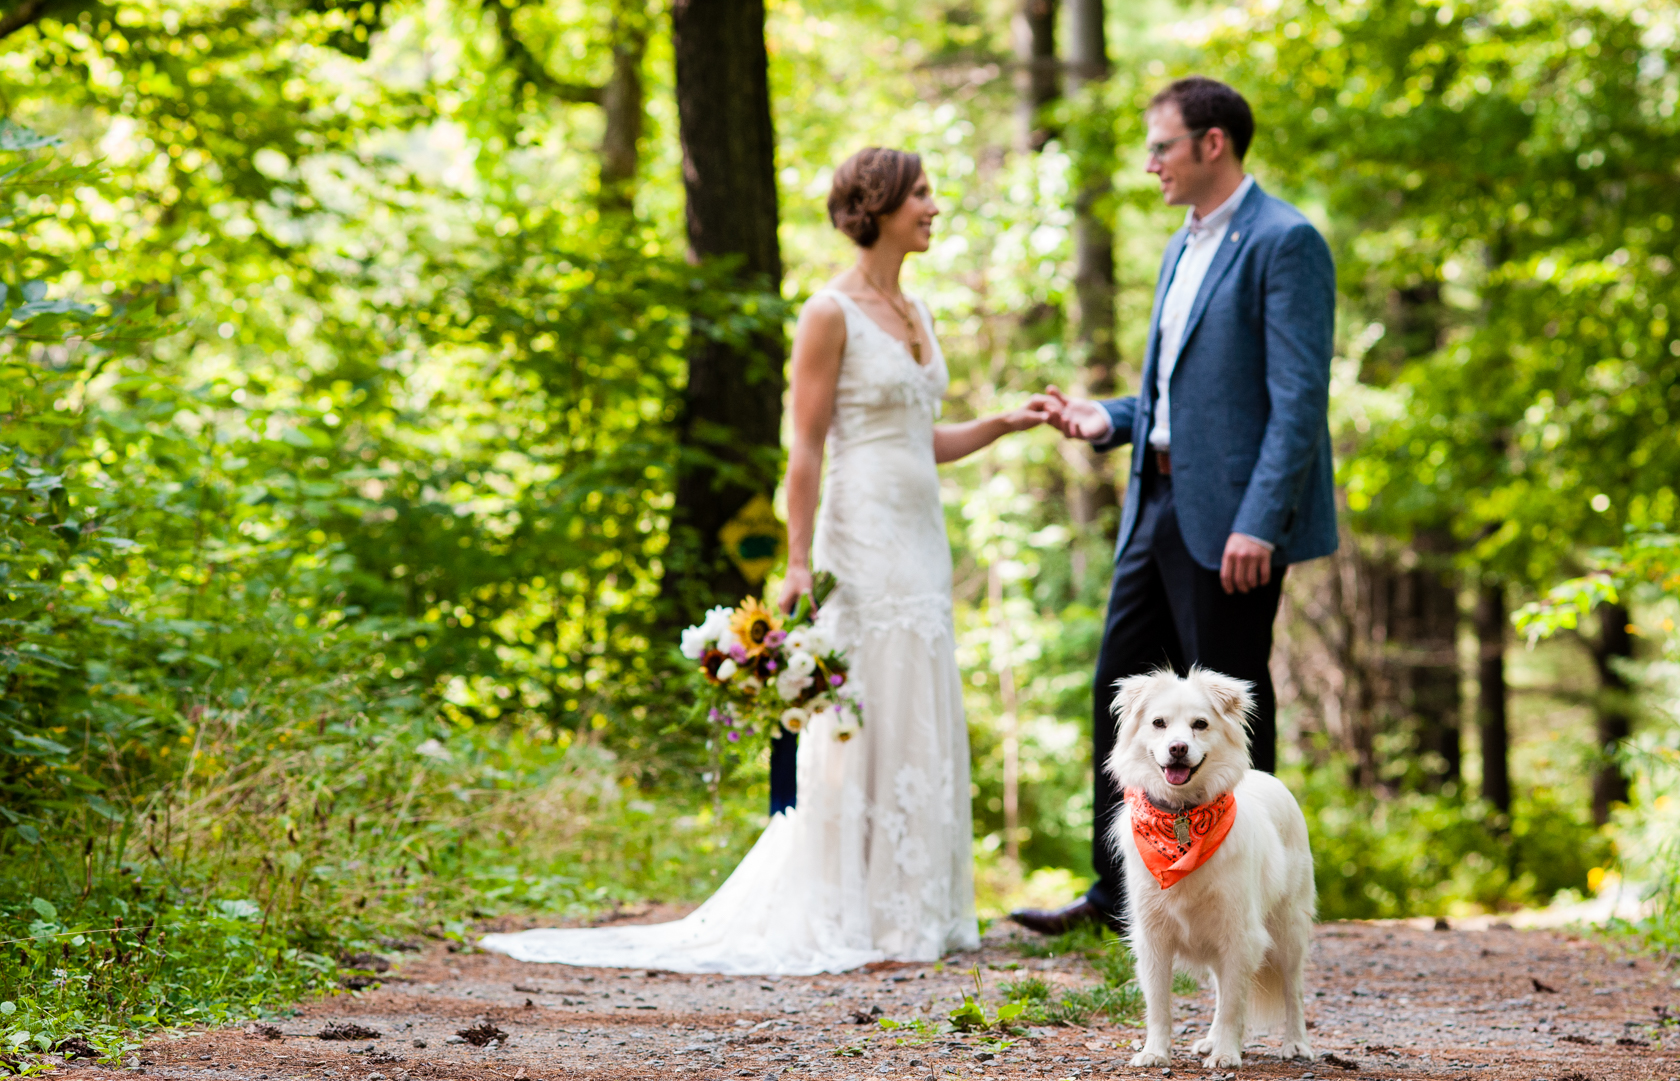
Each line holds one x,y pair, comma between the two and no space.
902,310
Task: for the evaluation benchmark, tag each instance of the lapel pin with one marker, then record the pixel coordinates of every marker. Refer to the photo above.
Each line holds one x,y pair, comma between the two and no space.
1235,237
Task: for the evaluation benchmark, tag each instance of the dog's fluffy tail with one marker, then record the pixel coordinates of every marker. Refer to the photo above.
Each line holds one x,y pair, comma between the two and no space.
1265,998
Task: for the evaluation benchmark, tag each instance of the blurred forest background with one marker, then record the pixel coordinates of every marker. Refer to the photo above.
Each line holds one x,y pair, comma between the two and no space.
365,428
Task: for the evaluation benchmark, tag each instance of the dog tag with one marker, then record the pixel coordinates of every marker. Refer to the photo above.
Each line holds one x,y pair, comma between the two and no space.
1181,829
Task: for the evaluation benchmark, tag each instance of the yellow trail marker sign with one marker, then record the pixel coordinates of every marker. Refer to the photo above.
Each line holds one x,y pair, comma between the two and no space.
755,539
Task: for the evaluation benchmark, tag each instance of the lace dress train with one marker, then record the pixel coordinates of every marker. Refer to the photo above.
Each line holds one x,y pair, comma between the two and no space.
875,862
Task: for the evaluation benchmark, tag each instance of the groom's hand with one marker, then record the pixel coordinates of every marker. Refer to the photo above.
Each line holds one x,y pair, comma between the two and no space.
1247,564
1076,418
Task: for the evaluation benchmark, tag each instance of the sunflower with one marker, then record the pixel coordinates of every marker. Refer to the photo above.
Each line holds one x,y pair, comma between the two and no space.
752,624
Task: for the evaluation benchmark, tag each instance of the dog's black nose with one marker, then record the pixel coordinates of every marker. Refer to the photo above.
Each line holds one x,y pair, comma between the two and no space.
1178,750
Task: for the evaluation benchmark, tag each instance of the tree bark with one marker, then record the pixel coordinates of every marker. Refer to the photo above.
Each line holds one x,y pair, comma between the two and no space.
1492,696
1423,636
1613,720
1037,77
730,426
622,100
24,14
1091,485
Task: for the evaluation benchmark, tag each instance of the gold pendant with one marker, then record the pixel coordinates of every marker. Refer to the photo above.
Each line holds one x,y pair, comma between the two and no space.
916,351
1181,830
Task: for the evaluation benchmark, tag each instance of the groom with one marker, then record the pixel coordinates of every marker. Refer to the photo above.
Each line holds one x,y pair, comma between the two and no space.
1231,474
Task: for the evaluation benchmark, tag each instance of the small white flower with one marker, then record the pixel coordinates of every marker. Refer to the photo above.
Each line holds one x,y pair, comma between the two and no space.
752,684
726,669
801,663
726,640
846,722
799,641
794,719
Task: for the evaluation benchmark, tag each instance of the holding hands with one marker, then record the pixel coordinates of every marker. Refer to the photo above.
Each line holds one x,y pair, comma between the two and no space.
1076,418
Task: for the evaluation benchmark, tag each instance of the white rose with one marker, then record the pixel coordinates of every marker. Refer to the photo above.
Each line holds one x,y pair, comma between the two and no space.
801,663
694,642
726,669
791,684
794,719
717,621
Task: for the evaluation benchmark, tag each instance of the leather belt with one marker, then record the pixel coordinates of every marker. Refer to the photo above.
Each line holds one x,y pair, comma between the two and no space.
1163,463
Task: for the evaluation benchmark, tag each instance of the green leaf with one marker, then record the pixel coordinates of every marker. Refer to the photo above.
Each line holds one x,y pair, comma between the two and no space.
14,136
45,907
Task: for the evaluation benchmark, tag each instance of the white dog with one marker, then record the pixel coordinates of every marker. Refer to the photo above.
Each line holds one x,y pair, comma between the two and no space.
1244,915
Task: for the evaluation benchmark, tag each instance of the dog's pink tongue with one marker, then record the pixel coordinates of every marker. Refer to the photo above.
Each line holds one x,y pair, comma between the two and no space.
1177,774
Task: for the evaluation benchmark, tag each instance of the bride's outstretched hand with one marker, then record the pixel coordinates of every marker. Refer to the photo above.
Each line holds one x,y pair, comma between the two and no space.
1037,411
797,583
1076,418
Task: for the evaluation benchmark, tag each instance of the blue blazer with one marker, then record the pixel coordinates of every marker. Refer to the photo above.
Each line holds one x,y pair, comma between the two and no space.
1250,392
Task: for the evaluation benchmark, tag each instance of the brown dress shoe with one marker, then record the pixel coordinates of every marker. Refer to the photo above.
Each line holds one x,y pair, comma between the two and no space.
1059,921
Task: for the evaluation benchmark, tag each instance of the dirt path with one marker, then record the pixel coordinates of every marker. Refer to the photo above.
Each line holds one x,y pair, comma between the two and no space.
1388,1000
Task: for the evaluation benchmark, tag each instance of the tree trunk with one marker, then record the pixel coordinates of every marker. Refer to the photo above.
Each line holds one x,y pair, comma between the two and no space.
1491,695
1036,78
730,427
622,99
1614,722
1091,481
1423,636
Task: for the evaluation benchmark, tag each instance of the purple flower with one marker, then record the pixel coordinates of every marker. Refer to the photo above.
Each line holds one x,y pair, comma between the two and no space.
770,665
835,681
734,737
713,715
775,638
738,653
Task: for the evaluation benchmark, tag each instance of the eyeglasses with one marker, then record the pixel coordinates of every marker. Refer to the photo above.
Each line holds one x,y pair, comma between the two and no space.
1159,150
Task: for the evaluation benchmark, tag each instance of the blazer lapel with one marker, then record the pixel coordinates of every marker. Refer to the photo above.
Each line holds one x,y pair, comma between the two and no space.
1236,237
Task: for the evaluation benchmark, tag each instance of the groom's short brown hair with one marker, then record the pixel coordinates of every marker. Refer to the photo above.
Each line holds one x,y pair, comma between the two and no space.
1206,103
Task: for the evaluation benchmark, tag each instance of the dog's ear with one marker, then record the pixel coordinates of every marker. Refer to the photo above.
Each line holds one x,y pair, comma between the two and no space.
1233,698
1128,693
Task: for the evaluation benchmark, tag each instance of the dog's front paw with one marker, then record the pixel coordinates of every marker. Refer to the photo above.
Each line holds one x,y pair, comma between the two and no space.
1299,1048
1151,1058
1224,1060
1202,1046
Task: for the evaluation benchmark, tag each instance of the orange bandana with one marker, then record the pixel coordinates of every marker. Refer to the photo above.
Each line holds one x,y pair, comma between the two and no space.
1173,845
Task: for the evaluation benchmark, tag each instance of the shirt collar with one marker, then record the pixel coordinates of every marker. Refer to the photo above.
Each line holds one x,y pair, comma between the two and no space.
1222,213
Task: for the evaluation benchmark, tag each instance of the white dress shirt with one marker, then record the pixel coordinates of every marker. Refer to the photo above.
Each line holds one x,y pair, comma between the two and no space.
1193,262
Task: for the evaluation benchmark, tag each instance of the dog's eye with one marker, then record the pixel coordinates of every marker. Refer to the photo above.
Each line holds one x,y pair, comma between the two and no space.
1160,723
1198,724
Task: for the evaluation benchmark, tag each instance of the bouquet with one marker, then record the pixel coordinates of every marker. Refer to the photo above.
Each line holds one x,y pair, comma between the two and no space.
759,673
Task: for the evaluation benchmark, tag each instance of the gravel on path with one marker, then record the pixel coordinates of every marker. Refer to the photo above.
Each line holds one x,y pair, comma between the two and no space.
1385,1000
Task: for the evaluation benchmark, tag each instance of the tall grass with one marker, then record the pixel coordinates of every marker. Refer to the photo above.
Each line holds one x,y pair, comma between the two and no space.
301,823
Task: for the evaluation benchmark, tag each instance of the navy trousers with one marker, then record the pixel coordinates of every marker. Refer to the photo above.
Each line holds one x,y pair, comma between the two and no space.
1168,610
784,776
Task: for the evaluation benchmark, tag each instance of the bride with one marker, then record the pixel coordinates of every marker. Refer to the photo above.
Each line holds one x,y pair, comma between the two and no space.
875,862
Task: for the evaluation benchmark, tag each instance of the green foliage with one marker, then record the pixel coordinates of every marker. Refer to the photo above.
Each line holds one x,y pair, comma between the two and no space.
1512,300
1644,568
1384,856
1118,997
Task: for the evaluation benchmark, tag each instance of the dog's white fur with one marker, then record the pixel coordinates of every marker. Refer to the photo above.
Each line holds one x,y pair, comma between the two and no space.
1245,916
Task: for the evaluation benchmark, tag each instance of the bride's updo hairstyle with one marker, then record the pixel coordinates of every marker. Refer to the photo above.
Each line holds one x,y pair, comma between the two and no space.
870,183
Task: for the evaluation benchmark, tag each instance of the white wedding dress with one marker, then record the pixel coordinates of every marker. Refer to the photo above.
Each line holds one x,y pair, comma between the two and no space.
875,862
